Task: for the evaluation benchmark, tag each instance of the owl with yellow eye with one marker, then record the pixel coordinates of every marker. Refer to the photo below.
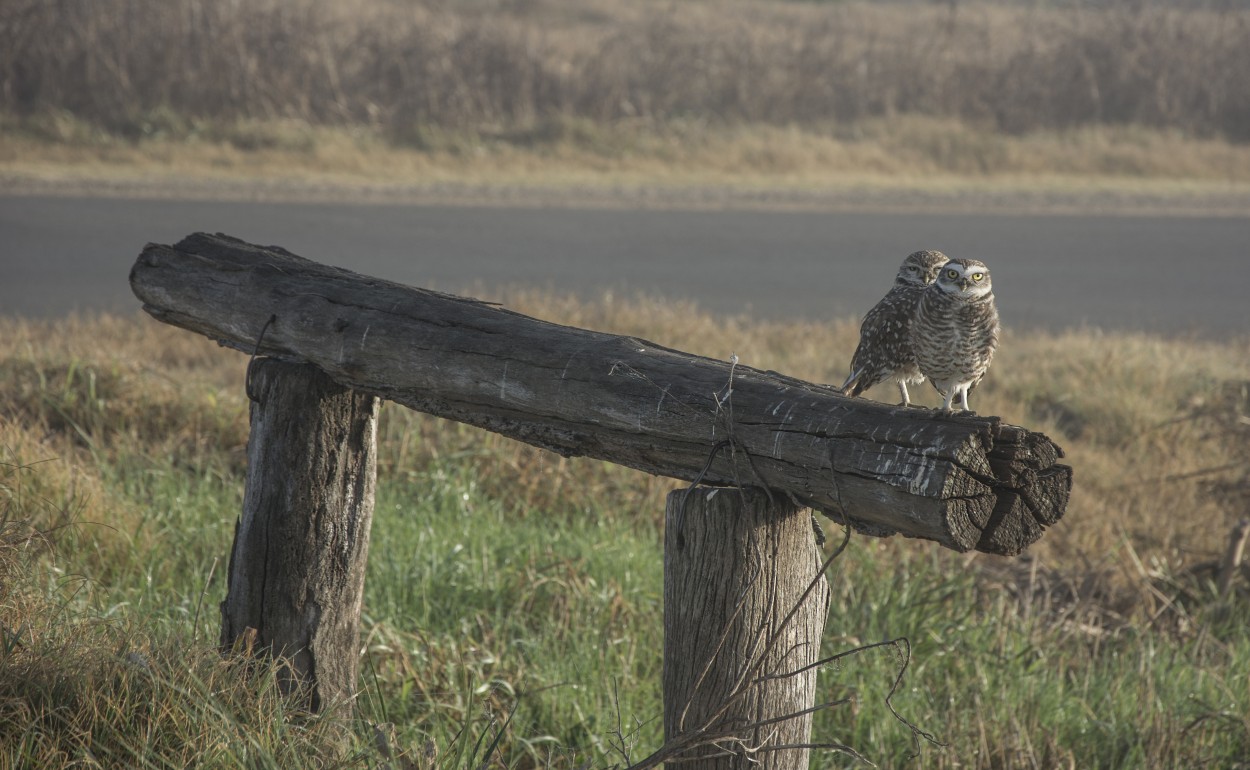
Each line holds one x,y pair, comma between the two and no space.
955,331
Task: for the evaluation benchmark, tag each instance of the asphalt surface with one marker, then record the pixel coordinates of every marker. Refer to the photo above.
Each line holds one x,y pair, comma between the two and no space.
1170,275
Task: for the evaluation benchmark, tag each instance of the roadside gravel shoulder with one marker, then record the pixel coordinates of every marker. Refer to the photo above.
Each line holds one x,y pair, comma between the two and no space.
1122,198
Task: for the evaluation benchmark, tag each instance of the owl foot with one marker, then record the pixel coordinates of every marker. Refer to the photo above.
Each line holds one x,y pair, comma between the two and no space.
956,398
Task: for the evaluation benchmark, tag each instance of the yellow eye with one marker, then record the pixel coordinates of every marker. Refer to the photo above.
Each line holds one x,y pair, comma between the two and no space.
978,276
952,274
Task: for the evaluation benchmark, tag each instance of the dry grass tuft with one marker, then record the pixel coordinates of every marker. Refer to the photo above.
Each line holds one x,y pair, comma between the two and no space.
92,382
83,689
86,388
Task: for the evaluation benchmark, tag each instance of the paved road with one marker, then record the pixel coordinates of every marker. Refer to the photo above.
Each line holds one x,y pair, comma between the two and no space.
1172,275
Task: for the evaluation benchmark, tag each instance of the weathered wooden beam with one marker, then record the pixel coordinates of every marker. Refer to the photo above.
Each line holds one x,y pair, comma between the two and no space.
745,604
966,482
297,566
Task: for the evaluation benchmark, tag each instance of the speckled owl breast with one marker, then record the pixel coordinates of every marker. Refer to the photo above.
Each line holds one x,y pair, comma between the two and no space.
955,331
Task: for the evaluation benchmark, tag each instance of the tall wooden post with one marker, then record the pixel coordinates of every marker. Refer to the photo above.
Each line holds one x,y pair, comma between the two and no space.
297,567
735,567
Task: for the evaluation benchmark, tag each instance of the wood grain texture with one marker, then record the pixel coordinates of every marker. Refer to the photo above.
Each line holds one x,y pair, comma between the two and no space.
740,627
966,482
297,567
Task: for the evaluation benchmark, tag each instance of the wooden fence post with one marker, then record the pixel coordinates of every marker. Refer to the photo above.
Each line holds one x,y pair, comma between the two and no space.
735,567
297,567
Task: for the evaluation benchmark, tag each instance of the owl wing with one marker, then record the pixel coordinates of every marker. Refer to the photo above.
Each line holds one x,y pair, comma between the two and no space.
882,341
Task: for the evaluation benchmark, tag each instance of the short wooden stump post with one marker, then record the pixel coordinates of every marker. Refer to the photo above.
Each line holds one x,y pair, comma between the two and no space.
297,568
735,567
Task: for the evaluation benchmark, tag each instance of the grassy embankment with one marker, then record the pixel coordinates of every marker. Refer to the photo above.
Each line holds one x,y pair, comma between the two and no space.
515,596
753,97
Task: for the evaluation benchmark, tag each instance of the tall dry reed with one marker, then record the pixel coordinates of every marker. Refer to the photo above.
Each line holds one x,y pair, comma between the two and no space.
146,66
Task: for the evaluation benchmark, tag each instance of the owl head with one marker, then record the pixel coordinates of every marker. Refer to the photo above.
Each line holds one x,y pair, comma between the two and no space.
965,278
920,268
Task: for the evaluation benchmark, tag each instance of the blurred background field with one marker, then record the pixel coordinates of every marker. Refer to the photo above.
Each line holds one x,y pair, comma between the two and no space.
561,92
513,604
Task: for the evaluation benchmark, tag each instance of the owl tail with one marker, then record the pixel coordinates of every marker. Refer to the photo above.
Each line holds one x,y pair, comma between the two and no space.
853,387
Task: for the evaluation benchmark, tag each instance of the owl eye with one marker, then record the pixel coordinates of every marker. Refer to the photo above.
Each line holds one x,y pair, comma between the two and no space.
952,274
978,276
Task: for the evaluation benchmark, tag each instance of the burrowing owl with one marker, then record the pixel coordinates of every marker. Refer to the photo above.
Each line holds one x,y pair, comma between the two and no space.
955,331
884,338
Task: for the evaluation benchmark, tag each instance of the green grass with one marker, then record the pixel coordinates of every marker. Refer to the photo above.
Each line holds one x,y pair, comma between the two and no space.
512,614
1006,690
551,612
